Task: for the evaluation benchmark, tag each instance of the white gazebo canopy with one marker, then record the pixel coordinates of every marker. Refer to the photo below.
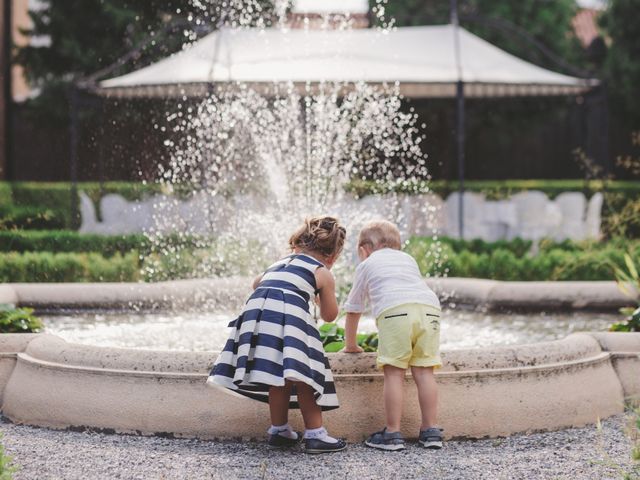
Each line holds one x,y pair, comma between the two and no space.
422,59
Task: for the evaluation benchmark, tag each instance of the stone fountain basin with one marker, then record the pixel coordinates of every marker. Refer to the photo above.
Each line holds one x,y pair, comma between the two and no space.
491,392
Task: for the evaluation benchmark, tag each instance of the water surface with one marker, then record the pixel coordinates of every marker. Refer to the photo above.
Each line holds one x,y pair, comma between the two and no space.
208,331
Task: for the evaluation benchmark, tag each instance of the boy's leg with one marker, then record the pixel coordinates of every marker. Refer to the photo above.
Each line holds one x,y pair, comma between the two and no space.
393,396
427,395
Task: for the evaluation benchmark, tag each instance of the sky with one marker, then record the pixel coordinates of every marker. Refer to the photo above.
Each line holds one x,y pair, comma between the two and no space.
592,3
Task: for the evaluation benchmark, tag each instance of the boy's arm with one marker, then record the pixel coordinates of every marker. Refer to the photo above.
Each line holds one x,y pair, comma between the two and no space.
351,332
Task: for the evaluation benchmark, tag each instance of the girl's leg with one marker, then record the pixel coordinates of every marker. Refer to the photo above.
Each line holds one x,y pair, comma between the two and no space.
311,412
393,396
279,404
427,395
312,415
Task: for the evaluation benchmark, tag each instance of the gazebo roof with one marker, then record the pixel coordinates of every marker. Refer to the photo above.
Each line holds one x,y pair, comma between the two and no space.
422,59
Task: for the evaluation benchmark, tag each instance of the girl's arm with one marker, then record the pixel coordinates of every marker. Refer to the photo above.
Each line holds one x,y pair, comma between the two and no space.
351,332
327,295
257,280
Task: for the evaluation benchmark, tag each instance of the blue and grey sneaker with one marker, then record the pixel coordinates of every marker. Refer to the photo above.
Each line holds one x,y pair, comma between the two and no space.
431,438
278,441
386,441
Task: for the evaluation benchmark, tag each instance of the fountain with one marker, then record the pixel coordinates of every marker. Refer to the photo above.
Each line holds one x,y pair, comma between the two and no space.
253,161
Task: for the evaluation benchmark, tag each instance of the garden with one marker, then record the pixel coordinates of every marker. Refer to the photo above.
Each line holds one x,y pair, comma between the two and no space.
39,241
153,172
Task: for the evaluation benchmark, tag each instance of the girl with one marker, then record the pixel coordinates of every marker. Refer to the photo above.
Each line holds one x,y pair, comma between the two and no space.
274,352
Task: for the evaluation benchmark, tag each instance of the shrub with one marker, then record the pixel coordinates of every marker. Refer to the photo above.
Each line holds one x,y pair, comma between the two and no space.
6,197
628,279
499,189
631,324
510,261
33,218
221,257
58,194
18,320
503,265
332,337
7,467
68,241
623,221
68,267
55,197
517,246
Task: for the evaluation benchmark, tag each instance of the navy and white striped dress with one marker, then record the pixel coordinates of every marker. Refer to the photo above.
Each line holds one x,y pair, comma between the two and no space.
275,338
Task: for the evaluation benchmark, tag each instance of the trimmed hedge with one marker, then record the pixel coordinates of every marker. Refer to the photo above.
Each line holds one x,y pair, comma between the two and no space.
566,261
499,261
499,189
6,196
52,200
57,194
33,218
64,241
517,246
67,241
68,267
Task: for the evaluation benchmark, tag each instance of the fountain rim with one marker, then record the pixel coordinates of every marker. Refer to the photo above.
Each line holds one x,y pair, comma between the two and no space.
214,293
49,382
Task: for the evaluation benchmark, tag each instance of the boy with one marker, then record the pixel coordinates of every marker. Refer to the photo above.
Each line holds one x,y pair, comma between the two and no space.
408,318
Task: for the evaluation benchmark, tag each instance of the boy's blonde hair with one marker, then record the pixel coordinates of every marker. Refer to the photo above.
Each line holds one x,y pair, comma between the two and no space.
380,234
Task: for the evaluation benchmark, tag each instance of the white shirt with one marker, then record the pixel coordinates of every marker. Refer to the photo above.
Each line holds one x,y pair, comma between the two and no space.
387,279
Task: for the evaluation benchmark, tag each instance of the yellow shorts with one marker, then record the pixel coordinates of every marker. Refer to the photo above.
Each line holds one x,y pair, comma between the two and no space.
409,335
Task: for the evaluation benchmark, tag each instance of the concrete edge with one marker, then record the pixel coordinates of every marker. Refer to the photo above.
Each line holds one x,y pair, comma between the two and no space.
56,384
216,292
51,350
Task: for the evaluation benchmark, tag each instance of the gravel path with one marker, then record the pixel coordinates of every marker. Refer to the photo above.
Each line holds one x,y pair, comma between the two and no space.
576,454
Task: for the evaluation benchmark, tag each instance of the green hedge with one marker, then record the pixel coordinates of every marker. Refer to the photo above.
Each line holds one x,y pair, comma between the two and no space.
33,218
67,241
58,194
68,267
518,246
566,261
71,242
6,196
52,201
498,189
499,261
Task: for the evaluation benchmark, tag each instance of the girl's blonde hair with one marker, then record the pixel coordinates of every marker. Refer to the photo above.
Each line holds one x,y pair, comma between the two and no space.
380,234
322,234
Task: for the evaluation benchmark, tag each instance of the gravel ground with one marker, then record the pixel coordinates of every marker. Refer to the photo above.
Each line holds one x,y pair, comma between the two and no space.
576,454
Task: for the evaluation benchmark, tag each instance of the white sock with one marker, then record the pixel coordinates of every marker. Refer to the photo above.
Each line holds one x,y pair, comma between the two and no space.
320,434
283,430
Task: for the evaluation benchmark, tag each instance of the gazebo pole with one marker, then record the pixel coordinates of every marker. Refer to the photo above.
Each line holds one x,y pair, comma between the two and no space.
6,91
73,149
460,141
460,137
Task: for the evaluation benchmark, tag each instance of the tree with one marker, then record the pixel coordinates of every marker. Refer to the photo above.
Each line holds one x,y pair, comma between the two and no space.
82,37
88,35
549,22
622,66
